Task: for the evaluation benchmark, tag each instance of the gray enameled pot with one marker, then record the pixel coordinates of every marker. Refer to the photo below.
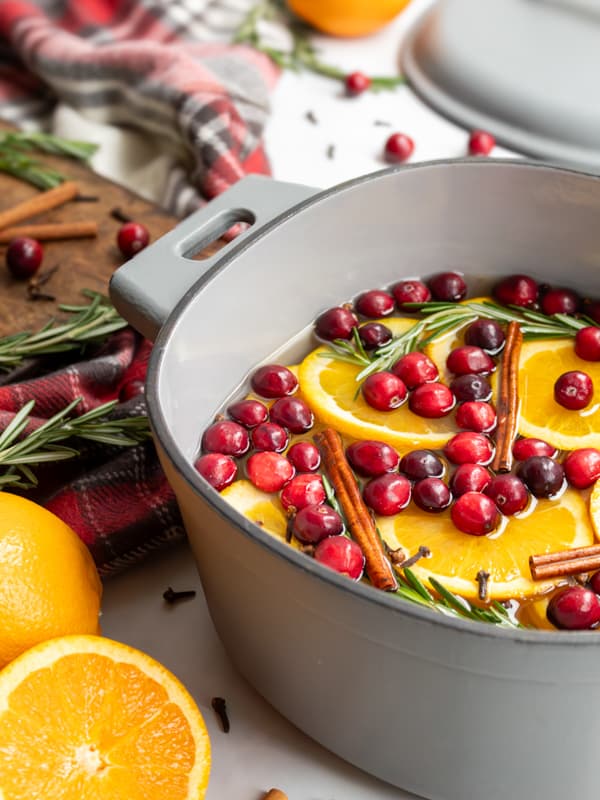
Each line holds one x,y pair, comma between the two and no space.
449,709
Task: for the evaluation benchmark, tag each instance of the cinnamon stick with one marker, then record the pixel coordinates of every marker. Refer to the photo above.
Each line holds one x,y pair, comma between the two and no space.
507,406
39,203
565,562
51,230
360,522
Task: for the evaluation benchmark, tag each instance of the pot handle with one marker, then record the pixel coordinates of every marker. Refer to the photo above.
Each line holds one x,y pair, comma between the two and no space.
148,287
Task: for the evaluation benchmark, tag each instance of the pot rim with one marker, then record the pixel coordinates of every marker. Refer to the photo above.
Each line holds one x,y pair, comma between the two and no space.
281,549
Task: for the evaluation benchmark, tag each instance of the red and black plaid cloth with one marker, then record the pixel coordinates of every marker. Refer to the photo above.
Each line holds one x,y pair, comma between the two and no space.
163,69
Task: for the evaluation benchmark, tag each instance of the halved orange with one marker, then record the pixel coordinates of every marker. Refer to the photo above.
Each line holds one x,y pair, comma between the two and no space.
88,718
262,508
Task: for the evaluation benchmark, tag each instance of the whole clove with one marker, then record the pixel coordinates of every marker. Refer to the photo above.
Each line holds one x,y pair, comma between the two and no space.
312,117
119,215
482,579
219,706
422,552
34,291
171,596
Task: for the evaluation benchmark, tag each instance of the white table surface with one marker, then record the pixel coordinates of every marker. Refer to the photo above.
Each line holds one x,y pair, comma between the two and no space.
262,749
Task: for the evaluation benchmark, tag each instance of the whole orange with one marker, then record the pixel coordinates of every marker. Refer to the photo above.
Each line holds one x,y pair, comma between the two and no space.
347,17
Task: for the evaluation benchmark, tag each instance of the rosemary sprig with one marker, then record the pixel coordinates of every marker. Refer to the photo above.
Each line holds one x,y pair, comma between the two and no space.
13,159
303,54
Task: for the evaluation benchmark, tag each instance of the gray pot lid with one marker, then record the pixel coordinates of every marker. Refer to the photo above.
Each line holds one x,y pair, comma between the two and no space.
527,71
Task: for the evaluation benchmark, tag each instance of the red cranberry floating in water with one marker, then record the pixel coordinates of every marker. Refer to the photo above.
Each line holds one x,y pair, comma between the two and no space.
292,413
371,458
269,436
431,400
342,555
419,464
398,147
487,334
375,303
476,416
573,390
374,334
469,448
481,143
595,582
469,360
269,471
415,368
471,387
431,494
410,292
469,478
336,323
525,448
516,290
582,467
248,413
475,513
560,301
314,522
304,456
449,287
23,257
384,391
132,237
388,494
274,380
543,476
226,437
587,343
591,308
218,469
574,608
356,83
303,490
509,493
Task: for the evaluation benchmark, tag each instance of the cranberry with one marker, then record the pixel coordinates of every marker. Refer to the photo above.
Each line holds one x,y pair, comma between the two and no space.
469,478
217,468
525,448
384,391
398,147
375,303
371,458
356,83
274,380
560,301
419,464
582,467
314,522
595,582
481,143
487,334
469,448
226,437
543,476
388,494
269,471
303,490
509,493
374,334
336,323
270,436
448,286
249,413
23,257
591,308
471,387
573,390
431,494
292,413
516,290
410,292
304,456
476,416
130,390
475,513
574,608
469,360
415,368
587,343
132,237
342,555
431,400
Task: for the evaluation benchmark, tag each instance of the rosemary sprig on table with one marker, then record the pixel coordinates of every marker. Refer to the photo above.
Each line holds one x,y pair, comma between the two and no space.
14,146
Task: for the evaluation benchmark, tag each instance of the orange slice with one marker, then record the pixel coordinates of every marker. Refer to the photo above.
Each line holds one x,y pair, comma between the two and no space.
457,557
262,508
85,718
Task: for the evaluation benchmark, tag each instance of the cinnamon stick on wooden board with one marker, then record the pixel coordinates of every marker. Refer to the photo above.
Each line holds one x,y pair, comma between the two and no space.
507,406
51,231
39,203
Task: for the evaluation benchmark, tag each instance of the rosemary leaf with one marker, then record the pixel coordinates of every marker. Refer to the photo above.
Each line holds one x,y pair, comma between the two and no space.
14,146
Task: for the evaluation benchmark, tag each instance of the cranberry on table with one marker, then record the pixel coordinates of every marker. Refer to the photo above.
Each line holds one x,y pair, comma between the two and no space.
336,323
543,476
370,458
248,413
274,380
384,391
587,343
471,387
410,292
342,555
292,413
226,437
356,83
481,143
469,478
487,334
415,368
218,469
419,464
23,257
469,360
375,303
316,521
304,456
574,608
475,513
509,493
269,471
582,467
387,494
469,448
474,415
132,237
431,494
303,490
374,334
269,436
525,448
573,390
560,301
448,287
431,400
398,148
516,290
